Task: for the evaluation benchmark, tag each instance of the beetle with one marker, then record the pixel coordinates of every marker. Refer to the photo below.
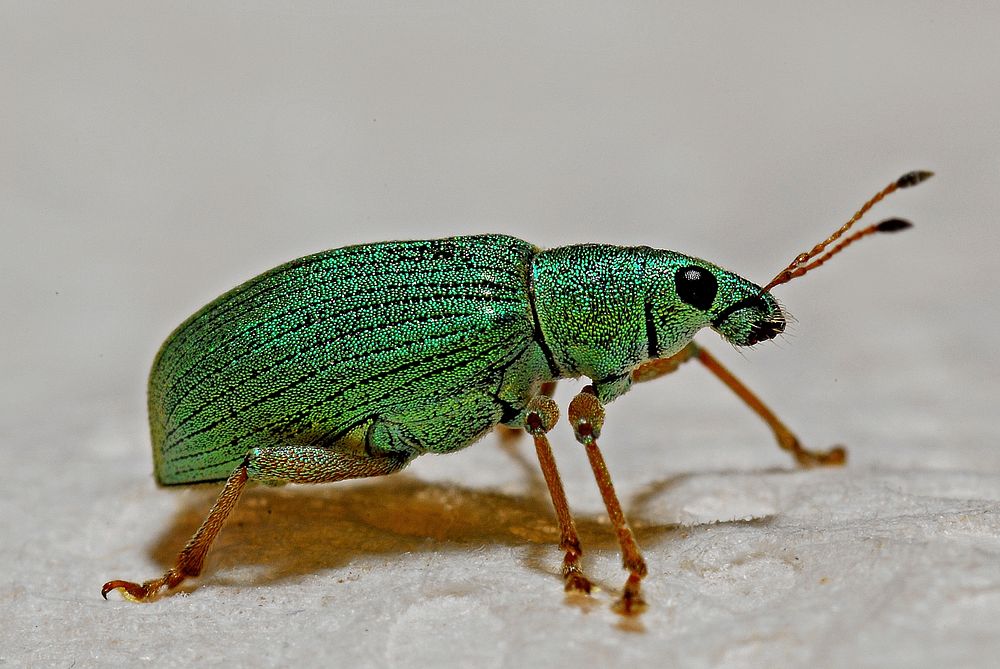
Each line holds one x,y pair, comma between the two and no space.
350,363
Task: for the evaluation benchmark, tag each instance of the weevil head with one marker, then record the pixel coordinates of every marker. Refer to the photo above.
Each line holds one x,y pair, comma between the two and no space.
696,294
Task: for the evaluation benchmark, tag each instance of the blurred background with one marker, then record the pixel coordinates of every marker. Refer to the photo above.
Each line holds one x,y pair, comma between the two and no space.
153,155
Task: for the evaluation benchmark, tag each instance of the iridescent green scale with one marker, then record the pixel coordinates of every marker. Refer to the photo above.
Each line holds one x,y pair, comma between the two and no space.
314,348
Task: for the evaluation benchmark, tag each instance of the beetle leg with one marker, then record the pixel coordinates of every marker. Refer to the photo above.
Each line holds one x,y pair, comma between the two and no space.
548,388
292,464
509,435
654,369
541,415
786,439
587,417
192,557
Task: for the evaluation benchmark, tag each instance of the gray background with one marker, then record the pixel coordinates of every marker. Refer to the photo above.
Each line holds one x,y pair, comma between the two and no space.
153,155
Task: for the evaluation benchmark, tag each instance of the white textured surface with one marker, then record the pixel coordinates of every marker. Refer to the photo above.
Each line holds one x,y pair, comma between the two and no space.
152,156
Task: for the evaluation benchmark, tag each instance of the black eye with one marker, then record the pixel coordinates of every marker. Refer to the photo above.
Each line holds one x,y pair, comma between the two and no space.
696,286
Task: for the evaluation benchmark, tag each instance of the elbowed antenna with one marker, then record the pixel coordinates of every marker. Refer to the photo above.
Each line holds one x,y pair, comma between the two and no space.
802,263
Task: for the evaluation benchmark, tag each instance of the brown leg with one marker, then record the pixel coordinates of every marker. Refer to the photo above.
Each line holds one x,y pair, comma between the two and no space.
542,416
192,557
786,439
293,464
587,416
654,369
509,435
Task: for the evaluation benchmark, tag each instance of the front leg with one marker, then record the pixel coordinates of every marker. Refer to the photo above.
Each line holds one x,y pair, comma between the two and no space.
586,414
786,439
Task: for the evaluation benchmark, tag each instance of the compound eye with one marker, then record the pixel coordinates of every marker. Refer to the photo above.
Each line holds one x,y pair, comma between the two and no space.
696,286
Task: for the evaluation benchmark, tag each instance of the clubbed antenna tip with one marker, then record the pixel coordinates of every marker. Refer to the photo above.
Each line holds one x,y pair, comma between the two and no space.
805,262
913,178
893,225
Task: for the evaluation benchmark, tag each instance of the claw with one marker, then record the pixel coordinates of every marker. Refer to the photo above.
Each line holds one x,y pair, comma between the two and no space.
631,602
575,581
134,592
144,592
834,457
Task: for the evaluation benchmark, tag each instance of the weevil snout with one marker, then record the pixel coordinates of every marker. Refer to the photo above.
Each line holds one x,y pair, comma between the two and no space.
749,321
765,330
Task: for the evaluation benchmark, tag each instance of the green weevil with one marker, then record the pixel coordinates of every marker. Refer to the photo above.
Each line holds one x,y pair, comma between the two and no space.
350,363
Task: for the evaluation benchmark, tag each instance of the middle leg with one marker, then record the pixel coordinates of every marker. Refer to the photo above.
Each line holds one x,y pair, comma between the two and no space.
542,414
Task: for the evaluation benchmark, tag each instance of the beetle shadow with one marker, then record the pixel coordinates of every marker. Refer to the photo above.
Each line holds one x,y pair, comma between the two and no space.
288,532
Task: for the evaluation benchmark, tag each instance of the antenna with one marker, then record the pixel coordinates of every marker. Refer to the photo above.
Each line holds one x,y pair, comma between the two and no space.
802,263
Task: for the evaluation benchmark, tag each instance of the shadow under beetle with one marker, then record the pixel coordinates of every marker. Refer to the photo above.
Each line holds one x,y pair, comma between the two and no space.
350,363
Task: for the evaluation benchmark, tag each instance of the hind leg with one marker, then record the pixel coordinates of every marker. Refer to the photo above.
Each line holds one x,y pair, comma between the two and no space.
291,464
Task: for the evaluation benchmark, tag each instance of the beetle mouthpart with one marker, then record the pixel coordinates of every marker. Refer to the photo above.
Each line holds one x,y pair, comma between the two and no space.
764,331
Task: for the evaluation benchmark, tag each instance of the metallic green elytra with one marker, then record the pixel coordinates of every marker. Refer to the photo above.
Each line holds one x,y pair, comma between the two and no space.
352,362
403,348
